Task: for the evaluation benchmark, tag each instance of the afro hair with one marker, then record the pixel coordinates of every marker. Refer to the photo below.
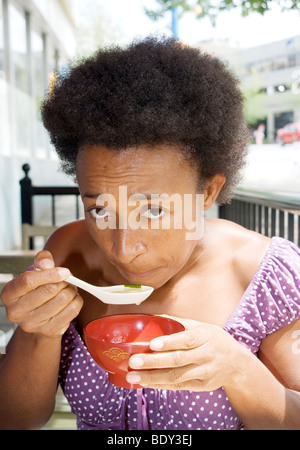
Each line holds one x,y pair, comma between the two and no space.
154,92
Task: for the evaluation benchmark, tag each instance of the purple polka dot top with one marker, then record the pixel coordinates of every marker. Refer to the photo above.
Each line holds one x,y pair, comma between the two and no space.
271,301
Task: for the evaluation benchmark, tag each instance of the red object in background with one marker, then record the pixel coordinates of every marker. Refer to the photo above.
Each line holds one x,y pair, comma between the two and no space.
288,134
111,340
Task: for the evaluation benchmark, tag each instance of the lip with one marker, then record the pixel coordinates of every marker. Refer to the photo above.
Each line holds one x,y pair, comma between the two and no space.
136,275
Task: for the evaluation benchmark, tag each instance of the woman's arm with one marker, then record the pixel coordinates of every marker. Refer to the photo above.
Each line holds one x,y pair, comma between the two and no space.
280,353
43,305
28,380
260,400
205,358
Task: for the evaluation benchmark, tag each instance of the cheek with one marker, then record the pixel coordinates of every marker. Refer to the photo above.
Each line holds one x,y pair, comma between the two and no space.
172,244
102,238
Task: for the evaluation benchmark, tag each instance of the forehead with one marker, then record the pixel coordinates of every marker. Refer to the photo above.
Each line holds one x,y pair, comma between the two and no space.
155,169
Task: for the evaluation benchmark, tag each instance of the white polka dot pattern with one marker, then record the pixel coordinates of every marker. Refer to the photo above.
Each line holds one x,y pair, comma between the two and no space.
272,299
270,302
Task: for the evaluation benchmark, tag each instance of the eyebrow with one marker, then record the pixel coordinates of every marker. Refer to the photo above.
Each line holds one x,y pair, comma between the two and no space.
88,195
138,196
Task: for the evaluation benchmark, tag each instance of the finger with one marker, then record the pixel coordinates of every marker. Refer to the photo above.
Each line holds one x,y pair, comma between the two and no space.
29,281
43,260
192,385
176,358
29,303
168,377
58,324
40,317
57,304
47,300
185,340
62,321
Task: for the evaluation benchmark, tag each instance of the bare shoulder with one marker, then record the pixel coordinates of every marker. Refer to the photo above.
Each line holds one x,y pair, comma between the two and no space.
69,240
279,351
249,252
244,248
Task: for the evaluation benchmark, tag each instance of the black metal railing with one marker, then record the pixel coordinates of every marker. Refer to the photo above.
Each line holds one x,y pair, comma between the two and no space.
29,191
270,214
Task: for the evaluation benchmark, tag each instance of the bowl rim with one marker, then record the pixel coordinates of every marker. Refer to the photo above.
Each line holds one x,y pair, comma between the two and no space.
127,314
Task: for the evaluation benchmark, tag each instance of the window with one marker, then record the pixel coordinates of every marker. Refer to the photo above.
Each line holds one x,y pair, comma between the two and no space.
4,105
292,60
280,63
29,55
38,83
1,43
20,81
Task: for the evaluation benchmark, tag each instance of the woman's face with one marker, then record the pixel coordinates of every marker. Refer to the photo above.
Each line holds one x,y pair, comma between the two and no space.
131,214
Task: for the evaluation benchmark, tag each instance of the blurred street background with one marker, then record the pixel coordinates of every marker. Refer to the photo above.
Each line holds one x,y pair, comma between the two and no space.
259,40
272,168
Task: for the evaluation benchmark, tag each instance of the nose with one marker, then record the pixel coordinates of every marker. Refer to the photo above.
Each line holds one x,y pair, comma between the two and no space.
126,246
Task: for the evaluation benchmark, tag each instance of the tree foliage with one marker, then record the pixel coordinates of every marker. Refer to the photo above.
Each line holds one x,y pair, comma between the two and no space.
256,106
95,29
211,8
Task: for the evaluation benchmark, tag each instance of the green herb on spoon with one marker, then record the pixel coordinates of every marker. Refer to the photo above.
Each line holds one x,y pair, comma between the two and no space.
136,286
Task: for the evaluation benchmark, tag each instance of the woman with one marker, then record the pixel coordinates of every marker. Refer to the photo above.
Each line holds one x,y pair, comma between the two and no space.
158,119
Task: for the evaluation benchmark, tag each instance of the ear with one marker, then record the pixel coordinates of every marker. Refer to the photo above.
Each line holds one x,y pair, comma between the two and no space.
212,190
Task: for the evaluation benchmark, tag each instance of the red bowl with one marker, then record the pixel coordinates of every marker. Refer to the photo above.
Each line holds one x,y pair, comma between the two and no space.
111,340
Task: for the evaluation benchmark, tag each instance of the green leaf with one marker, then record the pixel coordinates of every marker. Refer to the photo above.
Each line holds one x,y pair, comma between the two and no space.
210,8
133,285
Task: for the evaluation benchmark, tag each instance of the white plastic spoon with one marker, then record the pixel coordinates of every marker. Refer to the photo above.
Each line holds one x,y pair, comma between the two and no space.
113,295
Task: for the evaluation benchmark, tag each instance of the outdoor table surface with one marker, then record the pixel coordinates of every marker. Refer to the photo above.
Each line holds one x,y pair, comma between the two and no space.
13,263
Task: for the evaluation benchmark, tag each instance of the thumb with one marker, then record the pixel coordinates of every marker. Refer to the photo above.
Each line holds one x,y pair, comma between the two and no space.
44,260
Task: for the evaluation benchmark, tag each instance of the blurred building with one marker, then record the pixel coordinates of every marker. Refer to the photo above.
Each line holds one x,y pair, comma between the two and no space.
36,38
271,73
274,69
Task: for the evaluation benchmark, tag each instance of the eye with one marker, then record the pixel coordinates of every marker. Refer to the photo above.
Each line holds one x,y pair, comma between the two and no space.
99,213
154,213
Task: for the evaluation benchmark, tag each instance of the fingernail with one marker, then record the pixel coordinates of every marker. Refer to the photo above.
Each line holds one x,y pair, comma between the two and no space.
156,344
64,272
136,361
133,378
46,264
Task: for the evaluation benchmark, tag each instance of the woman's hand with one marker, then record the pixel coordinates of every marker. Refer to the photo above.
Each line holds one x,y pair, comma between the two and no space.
41,302
202,358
